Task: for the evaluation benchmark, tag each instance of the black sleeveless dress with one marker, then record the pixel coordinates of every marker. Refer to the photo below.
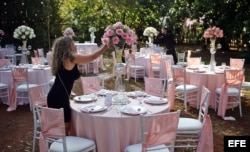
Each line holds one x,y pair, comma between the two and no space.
57,96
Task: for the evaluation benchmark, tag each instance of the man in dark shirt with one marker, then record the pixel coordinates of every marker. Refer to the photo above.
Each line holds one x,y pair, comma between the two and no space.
166,38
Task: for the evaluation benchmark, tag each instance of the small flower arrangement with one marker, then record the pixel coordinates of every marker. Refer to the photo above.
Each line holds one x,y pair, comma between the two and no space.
24,33
213,32
92,29
2,33
68,32
150,32
119,35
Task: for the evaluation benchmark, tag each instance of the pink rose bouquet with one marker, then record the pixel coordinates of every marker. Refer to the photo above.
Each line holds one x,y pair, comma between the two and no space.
213,32
119,35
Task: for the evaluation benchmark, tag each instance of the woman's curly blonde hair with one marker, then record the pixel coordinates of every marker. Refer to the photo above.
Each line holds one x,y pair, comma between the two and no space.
61,51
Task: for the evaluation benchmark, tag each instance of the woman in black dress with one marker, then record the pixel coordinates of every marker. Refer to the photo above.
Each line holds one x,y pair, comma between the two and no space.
64,68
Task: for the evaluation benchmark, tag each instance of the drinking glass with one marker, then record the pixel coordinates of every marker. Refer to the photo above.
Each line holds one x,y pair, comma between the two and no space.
223,64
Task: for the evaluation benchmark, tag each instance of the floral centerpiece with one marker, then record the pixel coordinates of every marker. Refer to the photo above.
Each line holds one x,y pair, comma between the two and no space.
68,32
24,33
92,29
212,33
150,32
118,35
92,35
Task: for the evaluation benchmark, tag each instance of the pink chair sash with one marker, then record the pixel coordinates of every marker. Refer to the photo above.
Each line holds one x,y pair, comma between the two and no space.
232,78
4,62
52,125
205,143
237,63
37,95
19,75
90,84
153,86
178,76
130,61
155,60
193,62
161,129
35,60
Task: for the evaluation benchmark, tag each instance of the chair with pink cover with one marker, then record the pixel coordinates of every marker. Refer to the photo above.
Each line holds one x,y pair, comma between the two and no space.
4,62
155,66
193,62
189,129
53,136
20,87
134,67
236,63
205,142
38,96
155,86
228,95
180,89
92,84
158,133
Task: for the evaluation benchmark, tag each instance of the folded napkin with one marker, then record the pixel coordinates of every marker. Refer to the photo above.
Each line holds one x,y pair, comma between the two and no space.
134,110
154,99
131,94
92,108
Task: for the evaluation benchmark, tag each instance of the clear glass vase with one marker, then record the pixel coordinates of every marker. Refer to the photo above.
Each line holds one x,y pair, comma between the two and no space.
212,52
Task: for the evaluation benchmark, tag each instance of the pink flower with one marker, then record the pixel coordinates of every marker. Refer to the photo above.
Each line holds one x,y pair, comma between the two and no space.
109,32
117,25
119,35
213,32
119,32
115,40
105,41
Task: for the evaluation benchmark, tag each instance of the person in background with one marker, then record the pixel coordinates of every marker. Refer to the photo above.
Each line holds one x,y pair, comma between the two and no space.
64,68
68,32
166,38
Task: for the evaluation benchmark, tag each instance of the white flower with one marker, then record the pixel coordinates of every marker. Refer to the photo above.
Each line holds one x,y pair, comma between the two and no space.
150,31
92,29
24,32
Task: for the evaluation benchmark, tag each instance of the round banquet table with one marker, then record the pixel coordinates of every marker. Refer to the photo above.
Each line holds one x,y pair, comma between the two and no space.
35,76
209,79
111,130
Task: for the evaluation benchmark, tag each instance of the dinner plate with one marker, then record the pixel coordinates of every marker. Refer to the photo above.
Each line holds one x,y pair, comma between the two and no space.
133,110
4,69
93,108
83,99
155,100
193,68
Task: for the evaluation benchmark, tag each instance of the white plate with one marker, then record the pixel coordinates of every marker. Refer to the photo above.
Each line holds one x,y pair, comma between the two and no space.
193,68
133,110
84,99
4,69
93,108
155,100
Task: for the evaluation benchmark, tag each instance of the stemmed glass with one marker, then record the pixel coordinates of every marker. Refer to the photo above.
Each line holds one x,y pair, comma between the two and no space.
139,94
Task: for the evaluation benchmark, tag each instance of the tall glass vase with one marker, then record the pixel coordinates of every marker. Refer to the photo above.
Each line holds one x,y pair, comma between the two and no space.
150,40
92,37
25,52
212,52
